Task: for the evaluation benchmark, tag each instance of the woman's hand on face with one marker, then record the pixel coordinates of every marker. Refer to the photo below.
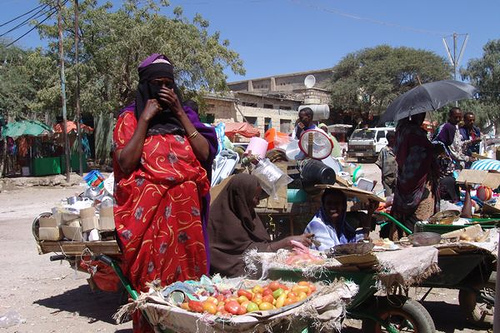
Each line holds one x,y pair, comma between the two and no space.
150,110
169,97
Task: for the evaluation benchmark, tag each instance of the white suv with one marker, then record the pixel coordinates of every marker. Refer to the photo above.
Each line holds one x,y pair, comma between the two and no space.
366,143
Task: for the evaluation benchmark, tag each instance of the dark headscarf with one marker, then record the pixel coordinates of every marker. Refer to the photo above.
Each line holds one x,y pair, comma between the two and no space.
164,122
343,228
234,227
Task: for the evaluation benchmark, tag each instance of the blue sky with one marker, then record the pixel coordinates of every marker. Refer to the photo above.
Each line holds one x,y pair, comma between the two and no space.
285,36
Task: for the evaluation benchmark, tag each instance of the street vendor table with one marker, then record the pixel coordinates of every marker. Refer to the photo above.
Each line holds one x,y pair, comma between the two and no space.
324,308
486,223
373,272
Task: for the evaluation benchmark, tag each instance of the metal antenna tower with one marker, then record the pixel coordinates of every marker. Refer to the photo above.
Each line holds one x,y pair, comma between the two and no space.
452,55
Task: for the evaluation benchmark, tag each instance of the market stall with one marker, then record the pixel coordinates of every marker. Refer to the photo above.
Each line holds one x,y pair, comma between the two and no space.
377,270
243,305
30,148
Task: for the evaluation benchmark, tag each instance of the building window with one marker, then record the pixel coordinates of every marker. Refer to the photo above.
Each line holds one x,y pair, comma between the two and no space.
267,124
285,107
268,106
252,121
254,105
209,118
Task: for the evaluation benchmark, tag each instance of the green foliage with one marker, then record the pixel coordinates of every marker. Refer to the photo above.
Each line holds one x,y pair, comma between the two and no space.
15,89
30,85
114,41
368,80
484,73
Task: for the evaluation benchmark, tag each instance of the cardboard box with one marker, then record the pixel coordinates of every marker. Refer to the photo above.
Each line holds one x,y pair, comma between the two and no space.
50,233
88,218
106,219
73,233
90,223
480,177
48,222
69,216
73,223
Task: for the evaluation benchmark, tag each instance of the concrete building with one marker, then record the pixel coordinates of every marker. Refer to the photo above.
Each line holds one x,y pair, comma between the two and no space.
270,101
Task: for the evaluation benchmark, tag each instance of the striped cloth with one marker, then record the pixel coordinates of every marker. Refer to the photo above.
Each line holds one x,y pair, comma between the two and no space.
486,165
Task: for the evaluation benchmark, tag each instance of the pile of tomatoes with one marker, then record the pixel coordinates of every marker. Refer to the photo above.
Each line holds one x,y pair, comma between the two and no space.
259,298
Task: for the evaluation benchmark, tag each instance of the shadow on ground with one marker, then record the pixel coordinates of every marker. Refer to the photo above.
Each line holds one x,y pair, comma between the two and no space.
448,317
95,305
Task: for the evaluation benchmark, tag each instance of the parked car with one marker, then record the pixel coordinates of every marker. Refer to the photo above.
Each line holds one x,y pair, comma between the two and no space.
366,143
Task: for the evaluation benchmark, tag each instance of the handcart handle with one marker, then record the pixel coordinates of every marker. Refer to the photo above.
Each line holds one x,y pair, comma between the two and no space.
105,259
126,283
57,257
399,224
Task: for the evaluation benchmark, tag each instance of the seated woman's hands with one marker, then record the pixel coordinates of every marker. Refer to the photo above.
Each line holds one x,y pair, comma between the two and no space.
304,239
286,243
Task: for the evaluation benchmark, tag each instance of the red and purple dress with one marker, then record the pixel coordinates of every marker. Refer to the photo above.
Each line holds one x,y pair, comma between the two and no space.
158,211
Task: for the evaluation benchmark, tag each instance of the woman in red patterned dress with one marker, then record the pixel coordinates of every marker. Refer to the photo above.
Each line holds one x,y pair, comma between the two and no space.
160,184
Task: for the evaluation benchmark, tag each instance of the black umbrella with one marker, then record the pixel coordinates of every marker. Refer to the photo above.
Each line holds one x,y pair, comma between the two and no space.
427,97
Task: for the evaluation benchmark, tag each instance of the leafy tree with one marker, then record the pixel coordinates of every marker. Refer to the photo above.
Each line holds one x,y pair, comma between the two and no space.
484,73
113,42
368,80
15,88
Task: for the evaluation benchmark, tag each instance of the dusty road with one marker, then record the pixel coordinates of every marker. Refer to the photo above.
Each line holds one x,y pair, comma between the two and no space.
48,296
51,297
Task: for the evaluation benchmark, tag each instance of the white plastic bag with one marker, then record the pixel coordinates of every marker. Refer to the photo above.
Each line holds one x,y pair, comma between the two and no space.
271,178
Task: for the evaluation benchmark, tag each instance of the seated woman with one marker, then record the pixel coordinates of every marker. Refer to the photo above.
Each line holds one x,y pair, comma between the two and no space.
234,227
330,226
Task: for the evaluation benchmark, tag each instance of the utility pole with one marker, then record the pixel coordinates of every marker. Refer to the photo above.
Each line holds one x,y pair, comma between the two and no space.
63,88
77,95
452,55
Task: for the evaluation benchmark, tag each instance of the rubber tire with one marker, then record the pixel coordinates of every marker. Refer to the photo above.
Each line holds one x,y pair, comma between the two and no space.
478,314
411,310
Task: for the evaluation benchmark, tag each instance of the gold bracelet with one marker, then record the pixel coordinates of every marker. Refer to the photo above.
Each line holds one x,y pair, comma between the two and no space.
193,135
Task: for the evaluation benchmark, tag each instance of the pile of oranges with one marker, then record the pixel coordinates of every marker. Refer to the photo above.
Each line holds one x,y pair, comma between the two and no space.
259,298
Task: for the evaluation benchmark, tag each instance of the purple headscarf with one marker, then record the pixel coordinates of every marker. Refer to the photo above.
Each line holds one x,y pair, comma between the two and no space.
164,122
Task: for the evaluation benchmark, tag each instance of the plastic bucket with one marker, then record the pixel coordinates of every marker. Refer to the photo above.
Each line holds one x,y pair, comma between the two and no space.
257,146
295,195
320,111
316,172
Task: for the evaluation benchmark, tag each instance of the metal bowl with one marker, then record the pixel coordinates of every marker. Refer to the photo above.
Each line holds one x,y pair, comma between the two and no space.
425,238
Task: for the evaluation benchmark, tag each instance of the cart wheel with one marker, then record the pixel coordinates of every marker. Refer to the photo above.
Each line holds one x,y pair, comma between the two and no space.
478,312
36,224
410,317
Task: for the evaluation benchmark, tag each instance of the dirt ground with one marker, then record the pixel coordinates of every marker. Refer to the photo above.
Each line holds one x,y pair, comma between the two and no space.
51,297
